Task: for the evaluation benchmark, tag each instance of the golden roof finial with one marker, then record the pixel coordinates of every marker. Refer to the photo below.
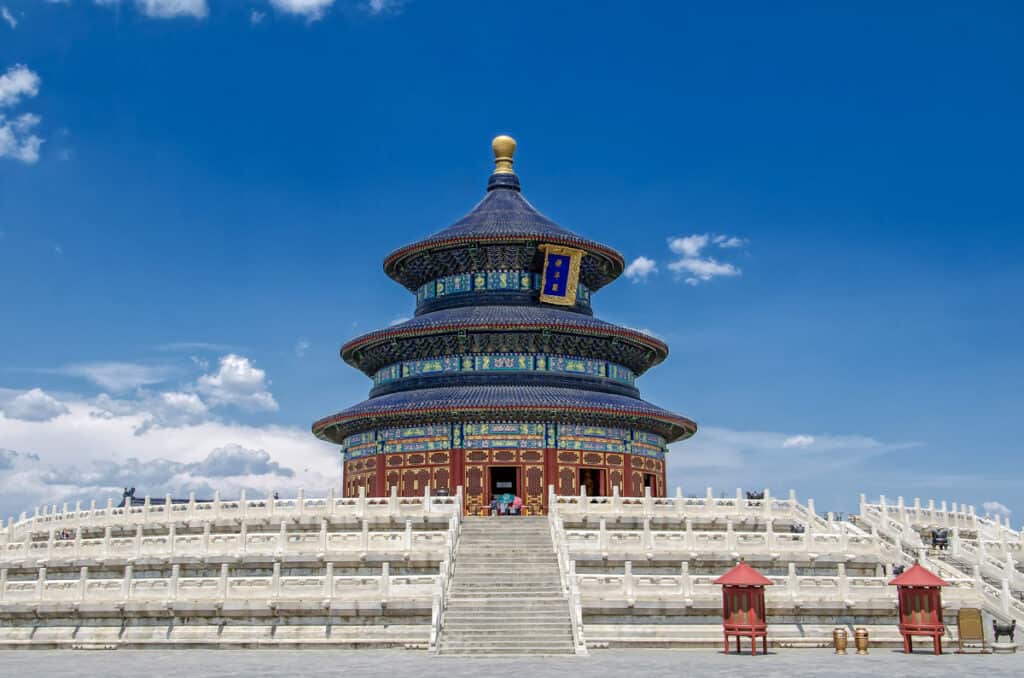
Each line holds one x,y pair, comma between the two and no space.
504,148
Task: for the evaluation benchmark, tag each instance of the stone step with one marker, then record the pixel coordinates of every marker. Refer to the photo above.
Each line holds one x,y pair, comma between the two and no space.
511,648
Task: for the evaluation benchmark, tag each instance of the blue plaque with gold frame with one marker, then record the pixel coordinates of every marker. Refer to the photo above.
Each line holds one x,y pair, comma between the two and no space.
561,274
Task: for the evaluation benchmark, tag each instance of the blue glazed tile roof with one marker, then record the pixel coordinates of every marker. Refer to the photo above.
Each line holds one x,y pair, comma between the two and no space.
533,403
504,215
504,317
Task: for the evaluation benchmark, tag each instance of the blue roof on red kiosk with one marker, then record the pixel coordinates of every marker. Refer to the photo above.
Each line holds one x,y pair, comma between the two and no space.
743,575
918,576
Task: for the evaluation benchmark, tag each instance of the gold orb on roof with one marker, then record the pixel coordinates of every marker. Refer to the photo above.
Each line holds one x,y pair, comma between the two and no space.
504,148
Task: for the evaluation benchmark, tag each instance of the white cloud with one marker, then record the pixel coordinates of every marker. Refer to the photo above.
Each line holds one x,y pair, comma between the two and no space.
257,17
17,135
19,81
996,509
8,17
701,270
169,9
117,376
17,139
237,382
301,346
640,268
798,441
312,10
161,410
382,6
34,405
91,453
729,241
689,246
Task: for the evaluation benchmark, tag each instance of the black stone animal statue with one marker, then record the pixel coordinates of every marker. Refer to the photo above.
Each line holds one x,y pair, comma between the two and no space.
940,539
1003,629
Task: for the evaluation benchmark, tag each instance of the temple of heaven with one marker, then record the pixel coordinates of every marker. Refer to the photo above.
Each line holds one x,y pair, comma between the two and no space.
504,381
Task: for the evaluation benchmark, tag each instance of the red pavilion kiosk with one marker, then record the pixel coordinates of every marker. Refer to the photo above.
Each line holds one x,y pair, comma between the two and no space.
920,611
743,611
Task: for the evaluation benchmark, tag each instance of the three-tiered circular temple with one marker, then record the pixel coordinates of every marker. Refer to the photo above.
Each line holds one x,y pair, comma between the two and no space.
504,381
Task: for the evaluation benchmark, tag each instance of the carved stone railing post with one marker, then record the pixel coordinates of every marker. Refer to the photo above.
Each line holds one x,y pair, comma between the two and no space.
385,582
627,581
602,536
685,583
172,592
126,582
275,581
222,583
329,581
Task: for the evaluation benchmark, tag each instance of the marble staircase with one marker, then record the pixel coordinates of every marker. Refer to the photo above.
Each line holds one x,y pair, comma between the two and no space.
505,595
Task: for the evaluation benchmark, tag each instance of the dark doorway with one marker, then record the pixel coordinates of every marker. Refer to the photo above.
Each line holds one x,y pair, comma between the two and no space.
593,480
504,480
651,481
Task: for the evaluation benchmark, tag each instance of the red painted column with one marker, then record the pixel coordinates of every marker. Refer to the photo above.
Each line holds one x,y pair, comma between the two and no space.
550,473
627,475
380,480
457,468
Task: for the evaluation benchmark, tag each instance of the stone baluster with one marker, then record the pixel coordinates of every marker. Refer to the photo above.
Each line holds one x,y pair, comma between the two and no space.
792,583
685,583
222,583
648,502
146,503
271,504
329,581
602,536
385,582
3,584
730,535
243,537
206,539
243,505
365,537
393,509
648,537
191,505
739,497
883,506
954,540
50,537
41,583
1006,597
300,502
769,534
688,526
766,505
844,582
106,542
616,499
138,541
627,581
175,573
426,499
901,509
709,500
323,535
126,582
331,500
275,581
282,538
407,544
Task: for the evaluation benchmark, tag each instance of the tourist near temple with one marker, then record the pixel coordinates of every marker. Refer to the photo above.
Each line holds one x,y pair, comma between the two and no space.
504,382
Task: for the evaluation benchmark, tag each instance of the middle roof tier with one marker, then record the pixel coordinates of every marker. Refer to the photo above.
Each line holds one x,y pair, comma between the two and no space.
496,329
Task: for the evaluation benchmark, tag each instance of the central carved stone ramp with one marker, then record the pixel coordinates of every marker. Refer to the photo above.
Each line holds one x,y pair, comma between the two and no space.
505,595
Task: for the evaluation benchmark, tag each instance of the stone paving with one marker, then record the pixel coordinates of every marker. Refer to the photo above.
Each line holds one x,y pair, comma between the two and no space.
881,663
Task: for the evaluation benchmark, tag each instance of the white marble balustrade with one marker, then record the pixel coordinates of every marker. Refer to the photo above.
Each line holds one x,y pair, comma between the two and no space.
268,509
654,543
324,543
263,589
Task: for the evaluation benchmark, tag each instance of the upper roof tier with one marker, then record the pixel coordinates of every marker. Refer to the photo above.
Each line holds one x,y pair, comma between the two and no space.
500,233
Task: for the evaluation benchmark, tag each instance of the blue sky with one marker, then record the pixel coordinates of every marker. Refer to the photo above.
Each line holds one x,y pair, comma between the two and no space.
196,196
